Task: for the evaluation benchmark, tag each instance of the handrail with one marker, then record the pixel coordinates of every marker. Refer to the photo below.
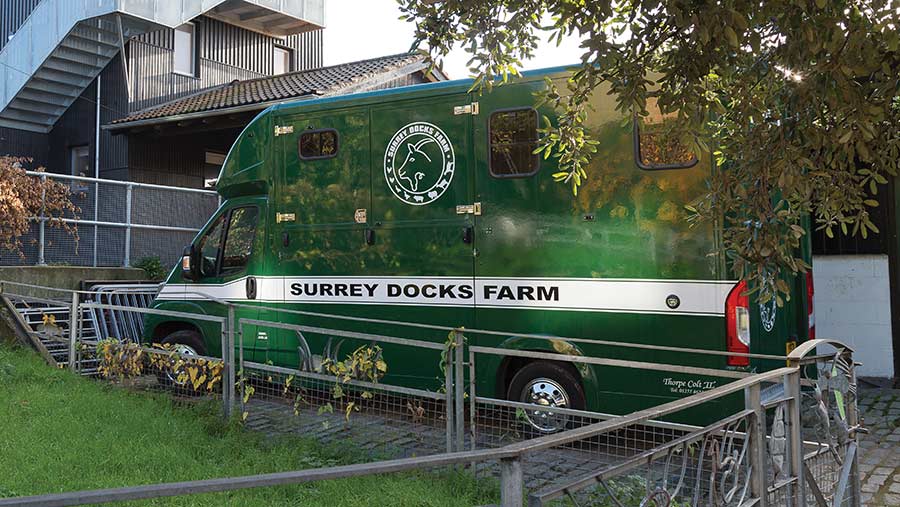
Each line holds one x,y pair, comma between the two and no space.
65,291
122,183
808,346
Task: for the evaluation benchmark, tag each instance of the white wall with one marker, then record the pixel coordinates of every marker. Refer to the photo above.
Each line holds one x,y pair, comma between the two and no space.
853,304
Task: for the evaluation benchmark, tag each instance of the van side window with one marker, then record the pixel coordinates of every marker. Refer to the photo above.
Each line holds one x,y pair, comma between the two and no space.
513,138
316,144
239,239
210,245
656,143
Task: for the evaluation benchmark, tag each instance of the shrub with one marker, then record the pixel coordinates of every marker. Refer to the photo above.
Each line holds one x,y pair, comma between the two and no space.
23,197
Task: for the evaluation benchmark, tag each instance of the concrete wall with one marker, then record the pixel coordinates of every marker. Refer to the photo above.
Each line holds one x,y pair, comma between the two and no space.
853,304
66,277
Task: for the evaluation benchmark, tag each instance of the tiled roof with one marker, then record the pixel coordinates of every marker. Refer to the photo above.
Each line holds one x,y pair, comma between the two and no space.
321,81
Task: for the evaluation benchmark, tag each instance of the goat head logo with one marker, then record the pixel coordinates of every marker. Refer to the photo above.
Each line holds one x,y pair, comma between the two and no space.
419,163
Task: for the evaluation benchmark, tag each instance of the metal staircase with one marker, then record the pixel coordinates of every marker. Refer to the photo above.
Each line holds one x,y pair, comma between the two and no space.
48,324
64,44
45,323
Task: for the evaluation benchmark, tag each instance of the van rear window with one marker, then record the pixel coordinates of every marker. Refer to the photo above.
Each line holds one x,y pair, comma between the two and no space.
316,144
513,138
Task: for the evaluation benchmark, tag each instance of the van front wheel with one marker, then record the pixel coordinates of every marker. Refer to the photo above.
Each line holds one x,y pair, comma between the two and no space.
185,343
547,385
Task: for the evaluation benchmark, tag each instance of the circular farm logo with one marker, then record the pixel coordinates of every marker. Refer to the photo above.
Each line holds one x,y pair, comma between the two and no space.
419,163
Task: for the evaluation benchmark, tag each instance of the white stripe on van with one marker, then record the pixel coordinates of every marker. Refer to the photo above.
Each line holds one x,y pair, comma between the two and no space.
676,297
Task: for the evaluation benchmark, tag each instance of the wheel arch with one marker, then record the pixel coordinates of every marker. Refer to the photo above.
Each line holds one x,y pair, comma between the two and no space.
157,327
507,366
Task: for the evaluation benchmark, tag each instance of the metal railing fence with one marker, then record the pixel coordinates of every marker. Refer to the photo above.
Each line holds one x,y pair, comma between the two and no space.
119,222
773,451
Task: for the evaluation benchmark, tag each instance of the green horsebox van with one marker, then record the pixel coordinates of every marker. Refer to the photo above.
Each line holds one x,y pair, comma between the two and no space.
427,204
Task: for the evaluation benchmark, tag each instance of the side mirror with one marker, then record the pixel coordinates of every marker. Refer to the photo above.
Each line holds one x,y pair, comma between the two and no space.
189,267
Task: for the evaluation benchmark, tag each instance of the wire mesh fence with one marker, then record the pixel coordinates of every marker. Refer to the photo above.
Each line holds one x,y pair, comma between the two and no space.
793,438
118,223
343,388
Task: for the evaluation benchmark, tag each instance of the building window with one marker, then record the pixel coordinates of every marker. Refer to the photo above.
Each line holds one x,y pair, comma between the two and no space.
283,60
656,143
80,161
185,49
315,144
212,167
514,137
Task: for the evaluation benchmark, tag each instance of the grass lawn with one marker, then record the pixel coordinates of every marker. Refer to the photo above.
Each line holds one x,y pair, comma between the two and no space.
60,432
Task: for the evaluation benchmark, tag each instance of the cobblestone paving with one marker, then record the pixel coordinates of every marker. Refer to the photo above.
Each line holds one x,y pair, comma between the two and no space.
388,436
879,460
385,436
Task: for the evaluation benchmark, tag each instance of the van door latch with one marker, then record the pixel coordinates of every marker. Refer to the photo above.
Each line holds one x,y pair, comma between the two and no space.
283,129
469,209
466,109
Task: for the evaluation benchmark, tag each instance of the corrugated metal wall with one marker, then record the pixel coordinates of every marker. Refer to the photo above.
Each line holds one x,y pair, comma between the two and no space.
21,143
12,14
175,160
114,102
226,53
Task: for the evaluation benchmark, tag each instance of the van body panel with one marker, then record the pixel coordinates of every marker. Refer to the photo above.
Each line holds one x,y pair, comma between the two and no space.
401,205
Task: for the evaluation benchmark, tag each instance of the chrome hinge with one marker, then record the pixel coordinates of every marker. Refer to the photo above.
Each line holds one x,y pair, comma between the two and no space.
281,130
466,109
469,209
285,217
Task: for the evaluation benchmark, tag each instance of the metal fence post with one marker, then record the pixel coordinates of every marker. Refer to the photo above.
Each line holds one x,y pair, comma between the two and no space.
511,487
73,330
128,192
795,437
853,420
448,390
472,395
228,360
41,225
459,406
756,432
96,218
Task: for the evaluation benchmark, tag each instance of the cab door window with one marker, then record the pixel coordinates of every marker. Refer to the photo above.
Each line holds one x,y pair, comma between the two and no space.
226,250
239,240
210,245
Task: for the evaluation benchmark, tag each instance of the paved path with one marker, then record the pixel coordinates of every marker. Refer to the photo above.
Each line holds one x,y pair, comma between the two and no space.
385,435
880,449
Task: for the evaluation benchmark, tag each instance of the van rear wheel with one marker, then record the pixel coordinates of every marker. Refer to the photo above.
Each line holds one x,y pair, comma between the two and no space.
547,385
186,343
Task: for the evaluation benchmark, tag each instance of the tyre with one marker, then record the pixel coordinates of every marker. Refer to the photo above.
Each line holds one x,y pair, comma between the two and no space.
186,343
546,384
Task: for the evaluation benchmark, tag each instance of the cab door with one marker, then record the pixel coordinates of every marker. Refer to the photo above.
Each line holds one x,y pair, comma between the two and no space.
230,261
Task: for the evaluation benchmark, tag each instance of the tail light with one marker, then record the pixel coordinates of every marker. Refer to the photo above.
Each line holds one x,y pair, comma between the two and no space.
810,292
737,323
